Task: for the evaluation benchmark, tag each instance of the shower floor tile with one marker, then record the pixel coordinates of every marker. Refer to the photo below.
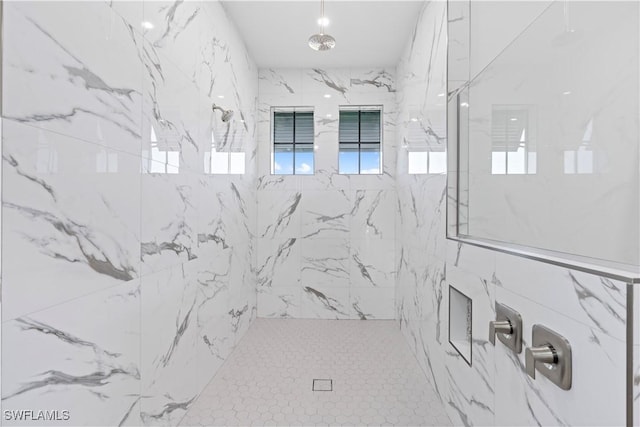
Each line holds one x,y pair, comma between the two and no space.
268,379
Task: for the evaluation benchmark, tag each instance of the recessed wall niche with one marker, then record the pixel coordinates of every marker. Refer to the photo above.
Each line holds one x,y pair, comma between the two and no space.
460,312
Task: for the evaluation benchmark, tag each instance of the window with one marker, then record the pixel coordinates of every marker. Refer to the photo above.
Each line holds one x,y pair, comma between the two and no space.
360,135
293,142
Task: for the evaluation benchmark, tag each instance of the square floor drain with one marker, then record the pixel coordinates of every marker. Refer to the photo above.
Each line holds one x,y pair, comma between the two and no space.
322,385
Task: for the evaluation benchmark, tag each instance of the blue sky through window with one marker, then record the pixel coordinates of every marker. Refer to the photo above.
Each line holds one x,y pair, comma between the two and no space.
369,162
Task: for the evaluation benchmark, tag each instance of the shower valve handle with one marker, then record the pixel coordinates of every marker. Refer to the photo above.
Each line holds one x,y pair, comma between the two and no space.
542,354
500,327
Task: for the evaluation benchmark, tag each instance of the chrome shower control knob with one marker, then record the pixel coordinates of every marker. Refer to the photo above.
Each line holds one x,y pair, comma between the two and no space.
542,354
499,327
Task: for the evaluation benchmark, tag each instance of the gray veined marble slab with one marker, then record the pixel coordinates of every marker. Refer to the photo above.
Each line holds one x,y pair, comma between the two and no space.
325,214
279,302
325,302
279,214
71,218
372,214
370,304
597,302
312,220
365,80
335,82
226,216
92,363
280,81
87,87
175,31
172,131
168,218
324,263
372,263
278,263
169,334
542,402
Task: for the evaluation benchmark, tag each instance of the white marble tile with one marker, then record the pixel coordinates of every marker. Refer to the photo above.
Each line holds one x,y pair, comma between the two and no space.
131,11
324,263
327,177
173,31
172,131
370,304
470,390
325,214
268,181
280,82
588,310
458,51
368,81
423,271
472,259
88,87
421,209
279,302
169,219
215,200
214,344
71,218
382,181
636,384
226,217
242,311
279,214
169,334
324,302
372,214
597,302
215,338
541,402
278,262
225,68
92,217
92,363
372,263
334,82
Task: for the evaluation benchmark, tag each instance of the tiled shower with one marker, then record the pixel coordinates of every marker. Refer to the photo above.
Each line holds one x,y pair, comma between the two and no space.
133,264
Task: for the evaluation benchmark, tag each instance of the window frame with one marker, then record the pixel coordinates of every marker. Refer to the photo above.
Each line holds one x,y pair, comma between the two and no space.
360,109
294,110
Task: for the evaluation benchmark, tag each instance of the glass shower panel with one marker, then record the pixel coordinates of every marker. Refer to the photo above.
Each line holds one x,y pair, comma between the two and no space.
548,136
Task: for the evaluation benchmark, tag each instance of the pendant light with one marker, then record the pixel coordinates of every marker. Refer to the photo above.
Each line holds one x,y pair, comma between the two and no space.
322,41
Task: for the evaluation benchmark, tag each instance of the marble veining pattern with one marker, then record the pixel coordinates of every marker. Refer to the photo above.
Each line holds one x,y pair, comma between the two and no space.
326,240
589,310
132,269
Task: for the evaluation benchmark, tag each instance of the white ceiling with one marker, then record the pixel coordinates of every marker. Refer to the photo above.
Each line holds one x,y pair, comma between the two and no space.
367,33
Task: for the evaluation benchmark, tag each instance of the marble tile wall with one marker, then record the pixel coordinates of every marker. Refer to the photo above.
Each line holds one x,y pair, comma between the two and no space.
590,311
129,269
326,241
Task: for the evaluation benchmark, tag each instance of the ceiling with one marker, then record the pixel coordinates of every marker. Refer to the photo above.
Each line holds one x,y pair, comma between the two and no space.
368,33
